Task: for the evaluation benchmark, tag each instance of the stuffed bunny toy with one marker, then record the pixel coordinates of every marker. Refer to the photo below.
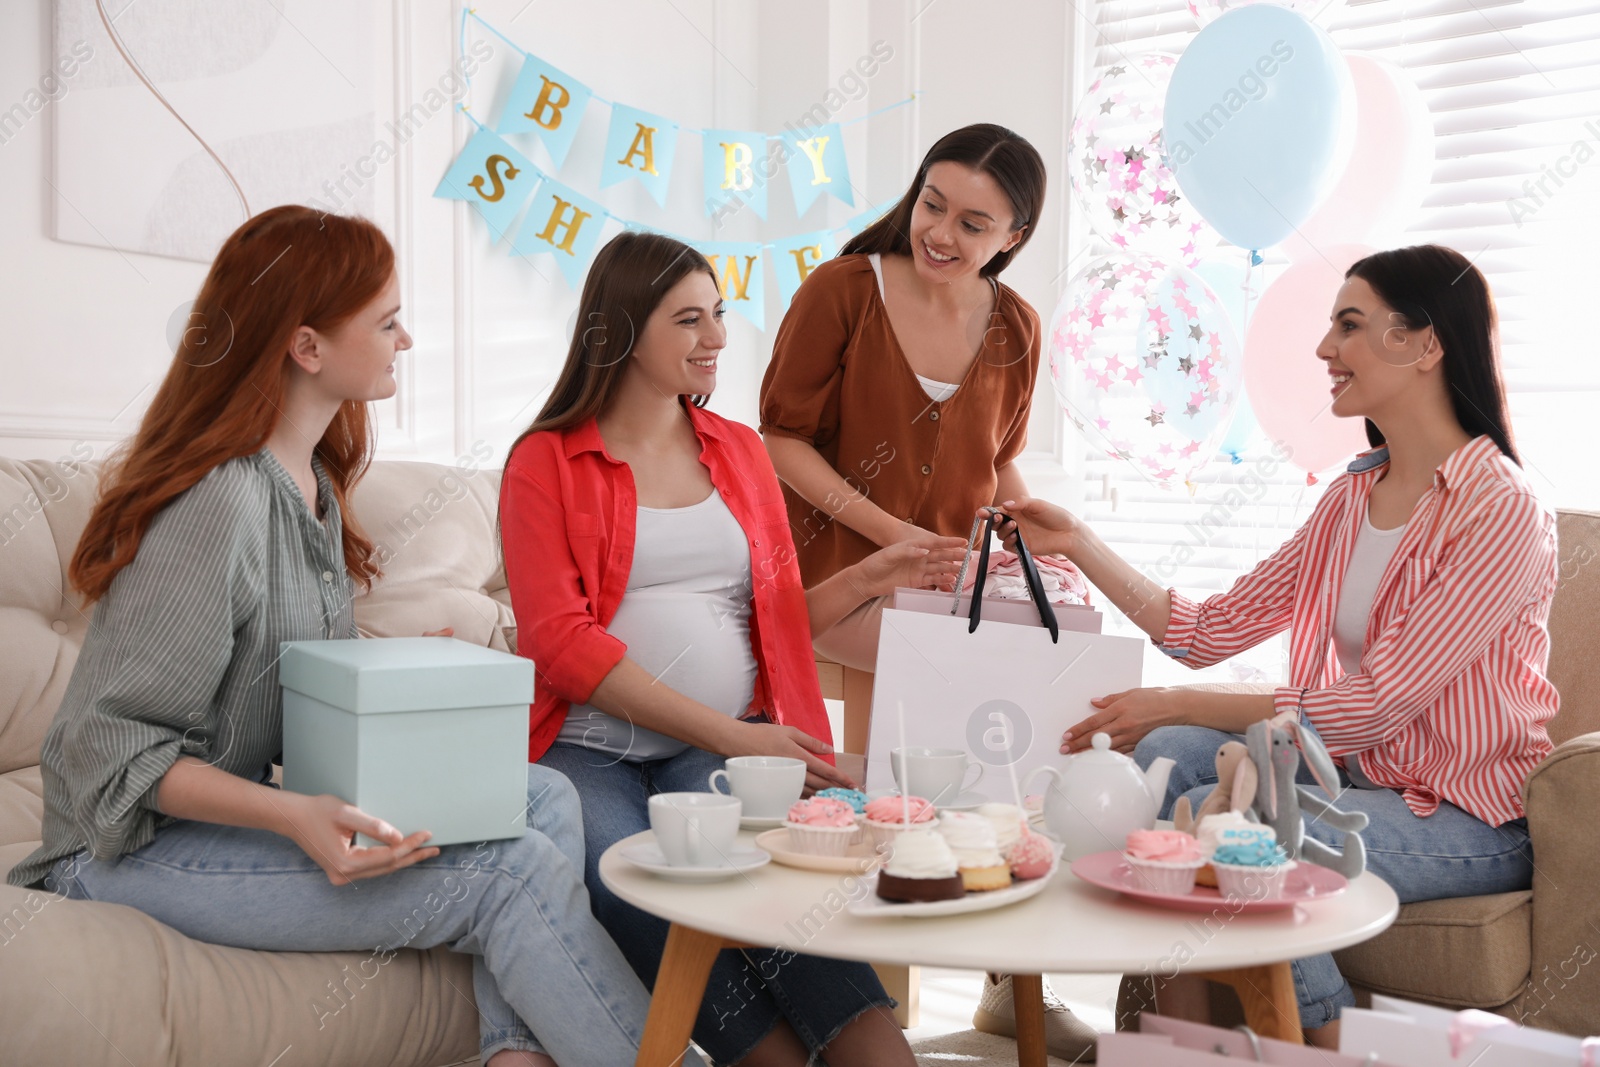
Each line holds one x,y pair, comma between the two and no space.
1271,744
1236,790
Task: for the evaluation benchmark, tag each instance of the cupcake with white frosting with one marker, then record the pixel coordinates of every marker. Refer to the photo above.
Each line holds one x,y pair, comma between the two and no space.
972,841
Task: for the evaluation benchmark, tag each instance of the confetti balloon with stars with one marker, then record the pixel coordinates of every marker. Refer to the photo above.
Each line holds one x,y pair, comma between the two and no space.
1117,168
1147,364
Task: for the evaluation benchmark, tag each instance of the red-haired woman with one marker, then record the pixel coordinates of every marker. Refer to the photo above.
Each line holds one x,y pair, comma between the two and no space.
221,532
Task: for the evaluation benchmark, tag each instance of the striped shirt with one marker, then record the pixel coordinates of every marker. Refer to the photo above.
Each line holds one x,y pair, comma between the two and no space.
181,655
1450,700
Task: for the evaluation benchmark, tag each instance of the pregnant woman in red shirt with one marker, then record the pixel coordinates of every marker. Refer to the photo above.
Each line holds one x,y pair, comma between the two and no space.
656,588
1416,597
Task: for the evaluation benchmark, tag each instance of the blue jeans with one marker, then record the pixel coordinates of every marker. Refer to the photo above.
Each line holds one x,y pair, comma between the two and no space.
749,991
1448,854
545,975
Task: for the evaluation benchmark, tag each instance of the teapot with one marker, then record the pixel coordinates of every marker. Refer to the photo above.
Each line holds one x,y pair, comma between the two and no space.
1099,797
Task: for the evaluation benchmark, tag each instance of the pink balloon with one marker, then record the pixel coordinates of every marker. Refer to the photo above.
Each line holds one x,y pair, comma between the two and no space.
1287,384
1390,168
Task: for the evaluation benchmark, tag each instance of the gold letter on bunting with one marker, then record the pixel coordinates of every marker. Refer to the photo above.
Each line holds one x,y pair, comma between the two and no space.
813,148
644,144
736,172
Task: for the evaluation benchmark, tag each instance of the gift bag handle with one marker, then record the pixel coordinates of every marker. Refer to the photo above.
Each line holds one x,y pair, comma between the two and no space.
1030,573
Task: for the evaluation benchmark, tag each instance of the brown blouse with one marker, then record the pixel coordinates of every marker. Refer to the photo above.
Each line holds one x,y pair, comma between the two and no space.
839,381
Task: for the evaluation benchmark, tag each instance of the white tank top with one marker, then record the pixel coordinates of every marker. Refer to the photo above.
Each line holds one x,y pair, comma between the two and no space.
685,617
1374,548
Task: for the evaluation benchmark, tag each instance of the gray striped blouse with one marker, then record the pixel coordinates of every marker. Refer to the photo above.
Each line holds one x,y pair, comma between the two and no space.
182,651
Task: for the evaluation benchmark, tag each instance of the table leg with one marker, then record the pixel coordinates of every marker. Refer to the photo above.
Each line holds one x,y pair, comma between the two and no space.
1267,994
1027,999
680,986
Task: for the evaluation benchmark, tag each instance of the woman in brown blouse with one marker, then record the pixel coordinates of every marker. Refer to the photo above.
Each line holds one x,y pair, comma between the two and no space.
897,399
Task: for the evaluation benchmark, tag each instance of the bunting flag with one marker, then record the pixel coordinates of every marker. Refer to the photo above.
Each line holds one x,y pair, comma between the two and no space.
639,145
737,265
548,102
736,171
493,177
797,256
817,165
563,223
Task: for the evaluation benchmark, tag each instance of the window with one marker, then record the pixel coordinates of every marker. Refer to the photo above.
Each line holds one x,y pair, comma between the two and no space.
1514,90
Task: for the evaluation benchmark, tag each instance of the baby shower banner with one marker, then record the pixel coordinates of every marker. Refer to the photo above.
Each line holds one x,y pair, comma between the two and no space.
737,166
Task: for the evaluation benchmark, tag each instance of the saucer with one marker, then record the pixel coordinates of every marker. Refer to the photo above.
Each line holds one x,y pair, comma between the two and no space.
757,822
647,856
968,801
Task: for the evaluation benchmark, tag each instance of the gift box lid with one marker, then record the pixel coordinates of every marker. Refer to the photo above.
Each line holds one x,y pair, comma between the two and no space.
374,675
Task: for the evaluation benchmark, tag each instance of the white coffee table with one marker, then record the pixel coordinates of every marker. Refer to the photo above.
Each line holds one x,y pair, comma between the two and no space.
1070,927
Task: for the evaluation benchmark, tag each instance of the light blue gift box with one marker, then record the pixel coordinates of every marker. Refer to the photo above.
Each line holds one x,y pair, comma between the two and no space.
426,733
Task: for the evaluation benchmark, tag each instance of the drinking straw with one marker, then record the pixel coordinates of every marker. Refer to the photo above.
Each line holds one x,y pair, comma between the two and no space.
905,796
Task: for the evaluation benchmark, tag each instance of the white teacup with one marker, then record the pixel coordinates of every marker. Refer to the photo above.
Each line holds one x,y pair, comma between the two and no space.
695,829
936,774
767,785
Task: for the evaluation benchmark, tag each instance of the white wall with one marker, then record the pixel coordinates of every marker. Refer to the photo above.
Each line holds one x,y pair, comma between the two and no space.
87,327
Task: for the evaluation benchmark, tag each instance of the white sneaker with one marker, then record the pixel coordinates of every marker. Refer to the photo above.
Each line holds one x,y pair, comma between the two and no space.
1065,1035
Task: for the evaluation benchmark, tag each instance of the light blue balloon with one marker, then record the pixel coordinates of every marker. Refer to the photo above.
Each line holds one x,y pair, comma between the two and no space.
1258,121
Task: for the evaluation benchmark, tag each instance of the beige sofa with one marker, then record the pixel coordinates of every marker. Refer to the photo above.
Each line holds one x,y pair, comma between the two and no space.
87,984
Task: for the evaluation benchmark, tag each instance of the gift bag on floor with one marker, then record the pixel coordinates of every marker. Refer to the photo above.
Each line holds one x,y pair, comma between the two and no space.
1001,692
1418,1035
1163,1042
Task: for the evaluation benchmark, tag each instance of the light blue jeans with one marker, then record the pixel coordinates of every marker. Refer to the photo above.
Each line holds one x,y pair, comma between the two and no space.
545,975
1448,854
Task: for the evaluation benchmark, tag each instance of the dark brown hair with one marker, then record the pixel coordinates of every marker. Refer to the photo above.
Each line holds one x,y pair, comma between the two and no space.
1006,157
626,282
224,392
1430,285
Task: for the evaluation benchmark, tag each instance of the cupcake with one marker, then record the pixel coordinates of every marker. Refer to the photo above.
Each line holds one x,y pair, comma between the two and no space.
972,841
853,797
1163,861
920,868
1255,870
821,826
888,816
1008,821
1226,828
1032,856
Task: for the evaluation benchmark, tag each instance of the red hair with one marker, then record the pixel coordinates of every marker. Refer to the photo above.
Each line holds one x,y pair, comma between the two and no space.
222,397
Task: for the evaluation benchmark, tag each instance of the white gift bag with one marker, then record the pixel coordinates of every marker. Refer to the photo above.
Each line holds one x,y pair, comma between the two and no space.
1003,693
1164,1042
1417,1035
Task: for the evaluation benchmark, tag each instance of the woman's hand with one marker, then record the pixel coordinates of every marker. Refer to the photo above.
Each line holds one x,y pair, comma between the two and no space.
928,563
1047,529
325,827
1127,717
771,739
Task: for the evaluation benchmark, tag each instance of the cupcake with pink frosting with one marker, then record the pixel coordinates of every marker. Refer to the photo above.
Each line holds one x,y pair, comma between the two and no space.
1163,861
888,817
821,826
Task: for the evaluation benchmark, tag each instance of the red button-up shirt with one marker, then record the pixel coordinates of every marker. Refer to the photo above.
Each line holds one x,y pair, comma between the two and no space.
1451,699
568,517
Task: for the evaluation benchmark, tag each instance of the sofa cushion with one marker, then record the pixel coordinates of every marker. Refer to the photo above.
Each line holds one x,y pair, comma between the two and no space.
1574,631
1466,952
94,984
43,508
438,542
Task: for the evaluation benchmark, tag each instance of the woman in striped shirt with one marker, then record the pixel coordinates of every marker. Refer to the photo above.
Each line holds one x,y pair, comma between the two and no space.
1416,598
220,533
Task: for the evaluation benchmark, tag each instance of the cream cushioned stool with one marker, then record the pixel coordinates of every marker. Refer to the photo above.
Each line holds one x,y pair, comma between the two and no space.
89,984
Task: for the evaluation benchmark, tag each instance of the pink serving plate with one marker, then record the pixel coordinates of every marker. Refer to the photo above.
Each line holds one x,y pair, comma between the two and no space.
1306,881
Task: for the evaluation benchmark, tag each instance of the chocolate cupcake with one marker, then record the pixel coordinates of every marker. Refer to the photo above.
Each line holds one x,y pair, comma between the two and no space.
921,868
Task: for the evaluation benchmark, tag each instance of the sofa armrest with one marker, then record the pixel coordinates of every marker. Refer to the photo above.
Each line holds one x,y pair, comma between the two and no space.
1562,796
